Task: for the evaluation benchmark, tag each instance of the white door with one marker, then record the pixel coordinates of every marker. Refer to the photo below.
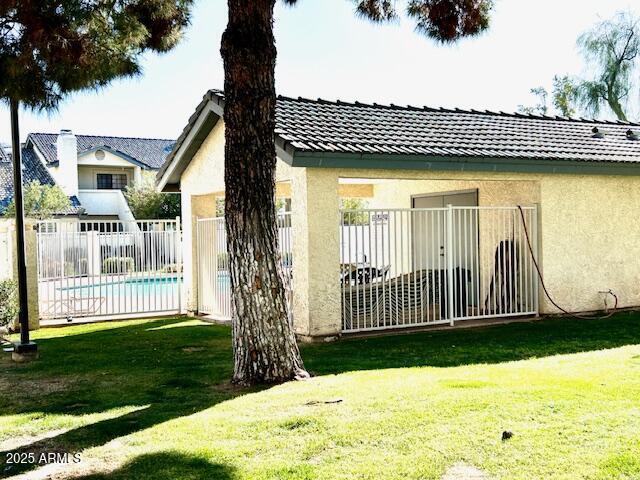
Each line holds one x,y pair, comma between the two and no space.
429,234
429,229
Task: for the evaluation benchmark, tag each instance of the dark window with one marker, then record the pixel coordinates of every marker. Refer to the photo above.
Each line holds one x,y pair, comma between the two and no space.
112,181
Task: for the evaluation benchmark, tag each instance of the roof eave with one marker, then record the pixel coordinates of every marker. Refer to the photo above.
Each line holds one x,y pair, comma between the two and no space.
118,153
202,121
472,164
200,124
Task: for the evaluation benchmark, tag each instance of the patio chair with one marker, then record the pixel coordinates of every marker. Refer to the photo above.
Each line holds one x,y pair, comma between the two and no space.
362,306
408,298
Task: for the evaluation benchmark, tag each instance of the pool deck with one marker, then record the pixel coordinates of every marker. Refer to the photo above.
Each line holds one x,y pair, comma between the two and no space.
61,322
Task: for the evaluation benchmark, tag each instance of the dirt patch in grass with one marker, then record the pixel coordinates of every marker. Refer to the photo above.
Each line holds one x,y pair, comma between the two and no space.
462,471
15,443
43,386
193,349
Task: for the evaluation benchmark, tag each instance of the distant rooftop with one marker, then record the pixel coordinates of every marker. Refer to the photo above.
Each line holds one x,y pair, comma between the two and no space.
149,151
32,170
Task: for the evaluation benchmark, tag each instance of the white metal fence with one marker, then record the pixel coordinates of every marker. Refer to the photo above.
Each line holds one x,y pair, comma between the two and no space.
91,268
413,267
214,282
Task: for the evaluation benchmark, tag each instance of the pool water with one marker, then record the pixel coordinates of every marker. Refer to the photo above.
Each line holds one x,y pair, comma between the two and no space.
134,287
137,287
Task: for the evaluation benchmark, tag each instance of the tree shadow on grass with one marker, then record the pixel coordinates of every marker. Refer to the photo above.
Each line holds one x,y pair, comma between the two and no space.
170,372
160,373
491,344
167,466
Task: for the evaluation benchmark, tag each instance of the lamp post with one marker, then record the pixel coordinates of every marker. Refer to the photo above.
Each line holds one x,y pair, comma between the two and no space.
24,350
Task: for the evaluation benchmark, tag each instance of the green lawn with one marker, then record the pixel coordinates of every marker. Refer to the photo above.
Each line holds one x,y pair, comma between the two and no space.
150,400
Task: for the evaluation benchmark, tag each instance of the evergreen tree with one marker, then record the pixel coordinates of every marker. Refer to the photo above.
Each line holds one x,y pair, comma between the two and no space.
49,49
265,348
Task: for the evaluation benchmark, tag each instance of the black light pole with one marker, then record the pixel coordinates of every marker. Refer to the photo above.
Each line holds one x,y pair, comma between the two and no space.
25,349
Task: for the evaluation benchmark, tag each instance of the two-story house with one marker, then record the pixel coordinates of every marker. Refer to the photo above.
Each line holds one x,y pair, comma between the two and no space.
91,170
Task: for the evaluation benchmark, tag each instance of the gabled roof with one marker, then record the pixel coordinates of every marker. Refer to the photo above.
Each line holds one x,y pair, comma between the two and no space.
324,126
322,133
149,152
32,170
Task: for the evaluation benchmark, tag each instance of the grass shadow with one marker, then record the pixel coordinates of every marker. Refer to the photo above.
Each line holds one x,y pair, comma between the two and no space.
165,372
491,344
167,466
171,372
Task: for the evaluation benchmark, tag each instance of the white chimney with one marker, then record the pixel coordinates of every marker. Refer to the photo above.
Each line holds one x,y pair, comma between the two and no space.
67,152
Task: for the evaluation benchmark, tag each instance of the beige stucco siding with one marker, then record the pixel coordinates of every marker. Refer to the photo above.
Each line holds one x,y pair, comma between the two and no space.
316,247
589,239
398,193
205,173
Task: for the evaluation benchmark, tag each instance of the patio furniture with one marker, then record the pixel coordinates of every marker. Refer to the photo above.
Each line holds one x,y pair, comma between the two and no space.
361,274
362,305
411,298
403,299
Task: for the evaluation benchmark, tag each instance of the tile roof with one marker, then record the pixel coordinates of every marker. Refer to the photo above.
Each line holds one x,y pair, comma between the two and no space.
323,126
328,126
425,136
32,170
148,151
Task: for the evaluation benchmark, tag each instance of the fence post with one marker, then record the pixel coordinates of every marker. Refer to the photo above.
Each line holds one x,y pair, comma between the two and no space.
449,258
31,248
535,234
177,245
94,263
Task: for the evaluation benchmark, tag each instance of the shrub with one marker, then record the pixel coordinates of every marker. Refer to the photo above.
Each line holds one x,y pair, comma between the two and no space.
41,201
9,303
118,265
146,202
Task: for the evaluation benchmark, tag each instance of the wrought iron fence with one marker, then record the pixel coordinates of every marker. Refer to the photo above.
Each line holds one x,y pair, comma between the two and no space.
414,267
97,268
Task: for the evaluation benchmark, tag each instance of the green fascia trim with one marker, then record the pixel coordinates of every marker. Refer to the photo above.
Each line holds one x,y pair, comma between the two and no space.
472,164
197,141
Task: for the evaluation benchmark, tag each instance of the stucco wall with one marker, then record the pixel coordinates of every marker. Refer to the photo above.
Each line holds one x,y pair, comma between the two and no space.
205,173
9,263
87,175
6,248
200,183
397,194
316,266
589,239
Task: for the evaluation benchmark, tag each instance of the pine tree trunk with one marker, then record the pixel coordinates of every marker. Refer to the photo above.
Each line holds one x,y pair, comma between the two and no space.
264,344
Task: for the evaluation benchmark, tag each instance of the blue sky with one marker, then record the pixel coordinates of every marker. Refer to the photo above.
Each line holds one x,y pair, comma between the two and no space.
325,51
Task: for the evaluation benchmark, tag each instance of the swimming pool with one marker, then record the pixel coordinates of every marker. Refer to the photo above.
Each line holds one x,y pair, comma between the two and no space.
136,287
127,287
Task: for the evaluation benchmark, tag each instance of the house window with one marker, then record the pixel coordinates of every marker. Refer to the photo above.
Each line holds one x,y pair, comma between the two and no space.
112,181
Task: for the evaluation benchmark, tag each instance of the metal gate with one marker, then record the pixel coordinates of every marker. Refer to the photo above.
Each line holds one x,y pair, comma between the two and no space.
214,283
414,267
108,268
